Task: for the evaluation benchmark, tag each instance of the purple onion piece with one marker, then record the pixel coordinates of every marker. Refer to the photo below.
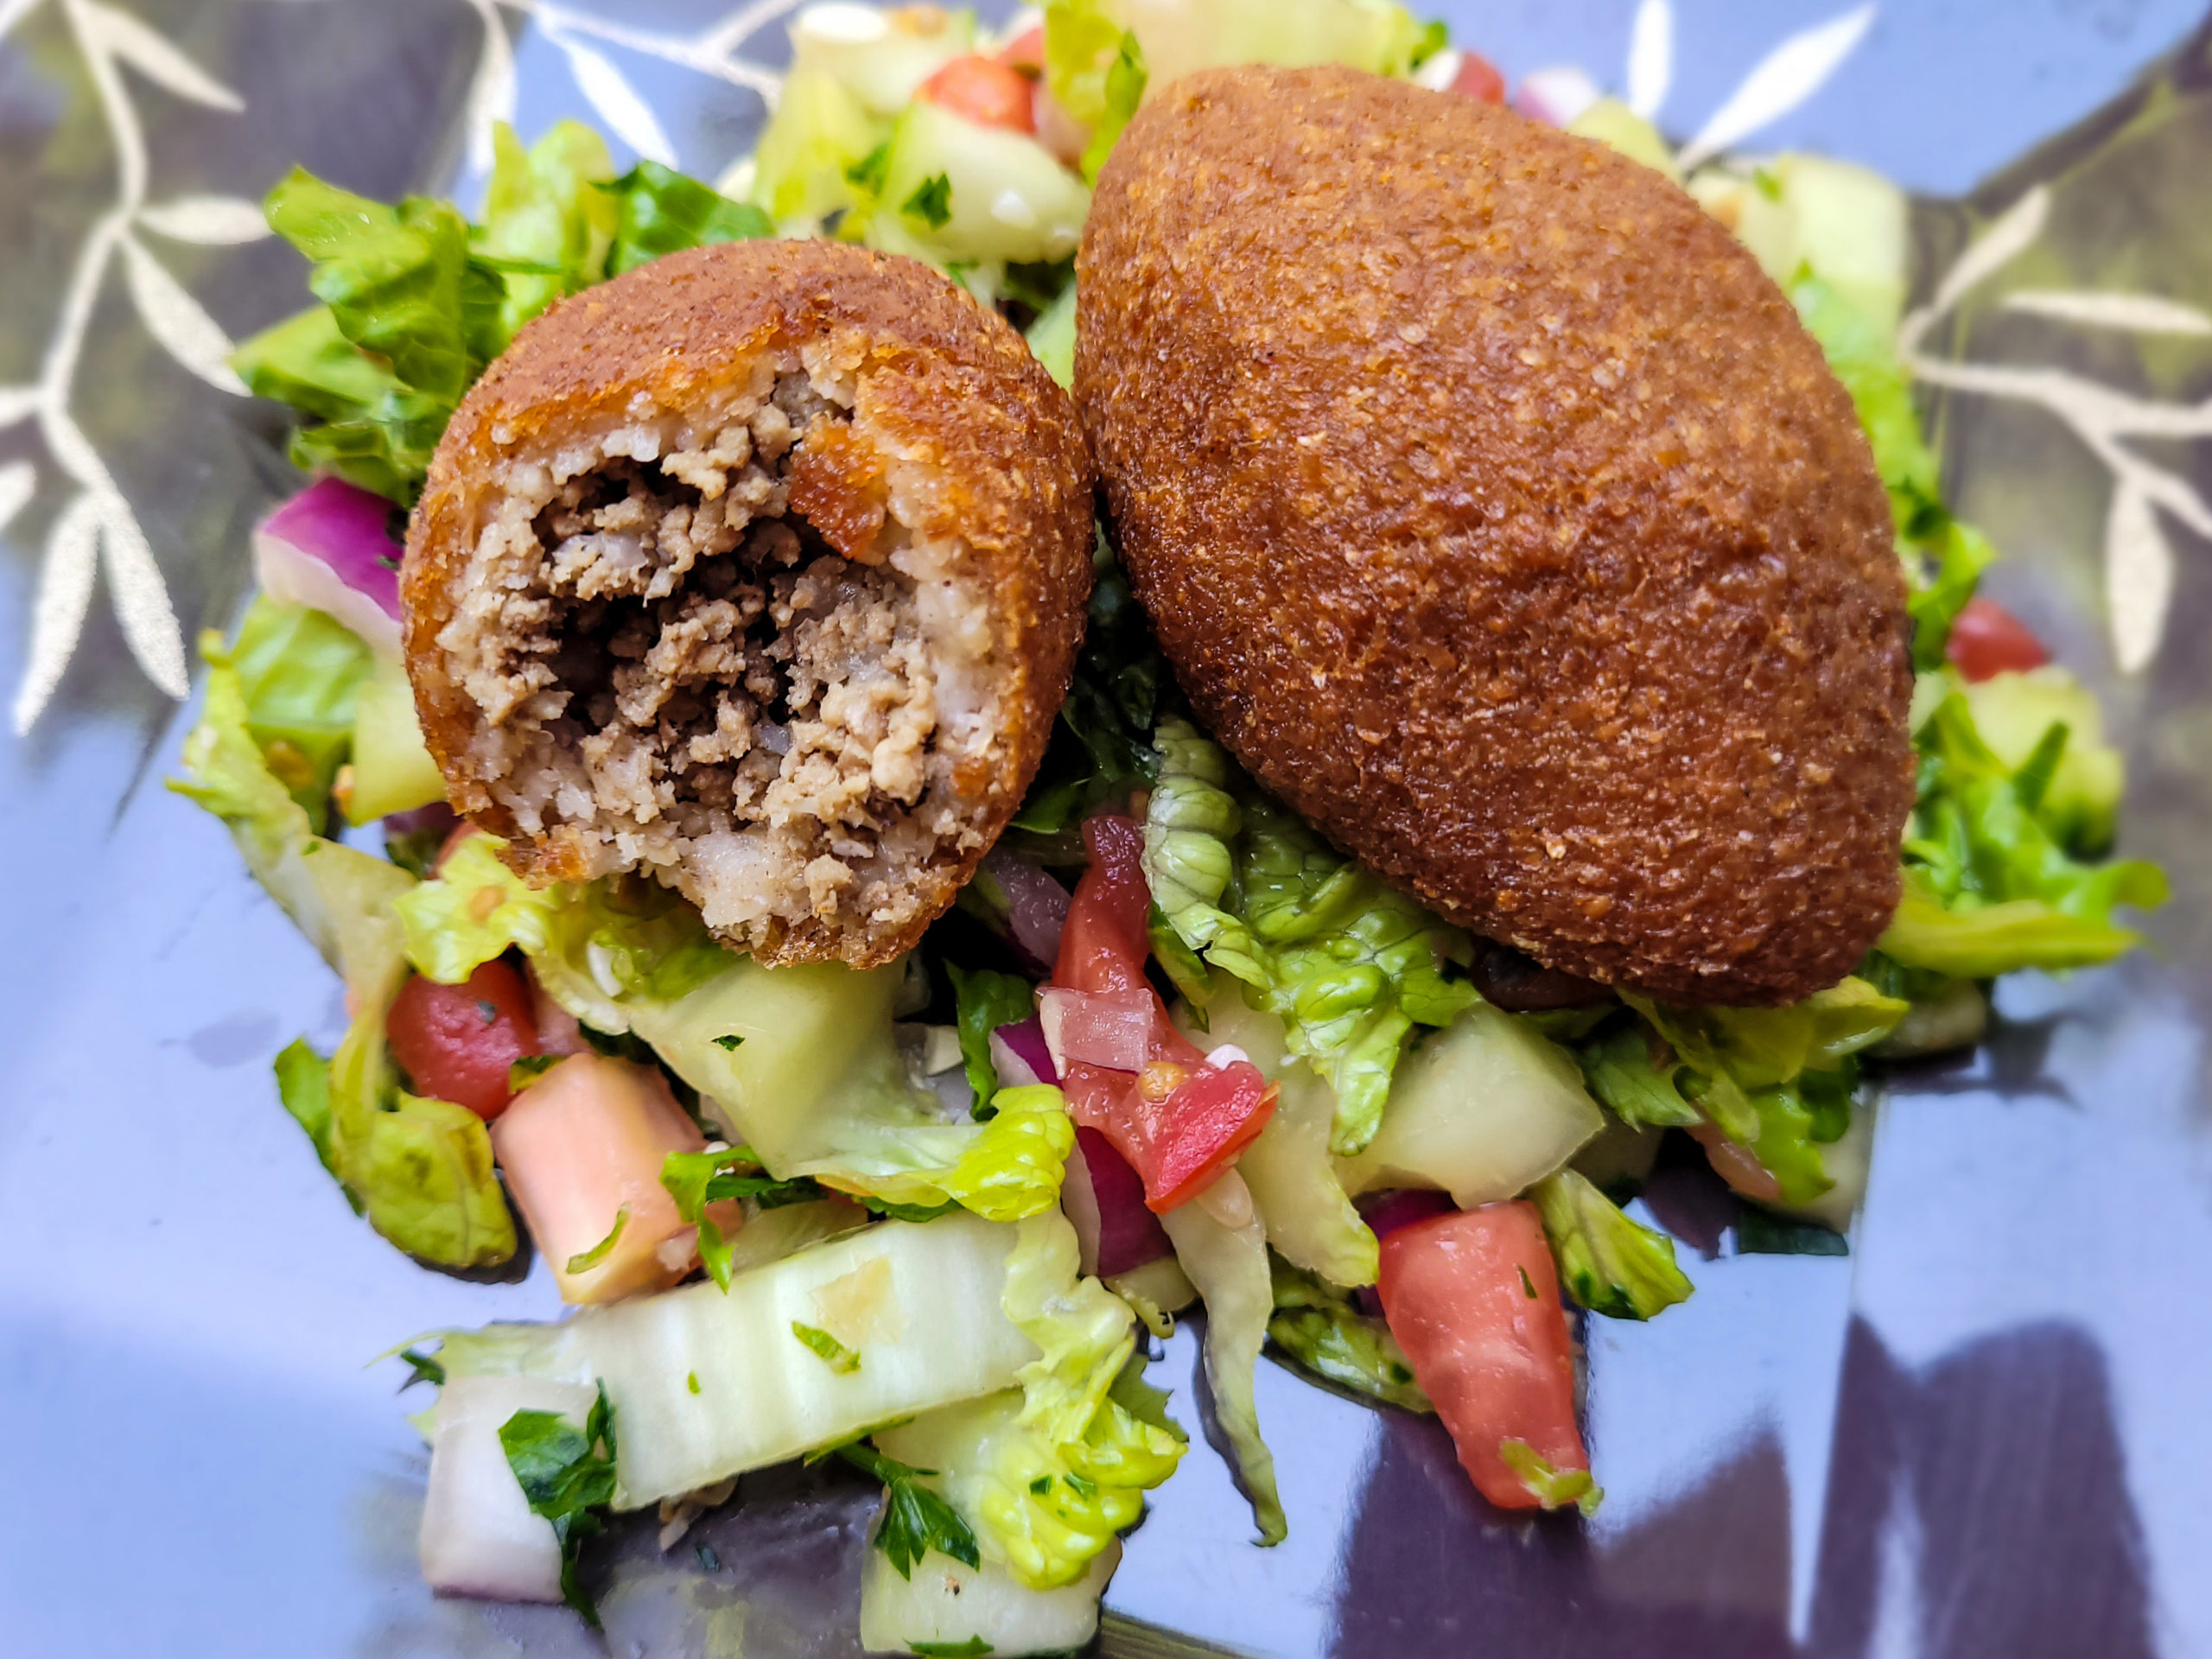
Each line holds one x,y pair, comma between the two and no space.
1129,1235
1037,905
327,548
1385,1212
1026,1040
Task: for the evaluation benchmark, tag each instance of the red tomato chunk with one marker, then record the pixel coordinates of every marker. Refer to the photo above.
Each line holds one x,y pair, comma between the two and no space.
985,91
1473,1298
1179,1122
1478,77
1987,640
457,1041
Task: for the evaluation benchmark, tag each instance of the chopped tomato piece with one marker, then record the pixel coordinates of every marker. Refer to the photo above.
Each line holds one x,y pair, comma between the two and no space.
1179,1122
1738,1166
1473,1299
457,1041
1987,639
1025,51
982,90
1478,77
1103,943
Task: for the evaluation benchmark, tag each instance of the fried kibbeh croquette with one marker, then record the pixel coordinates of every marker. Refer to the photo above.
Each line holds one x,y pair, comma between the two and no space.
1496,511
760,569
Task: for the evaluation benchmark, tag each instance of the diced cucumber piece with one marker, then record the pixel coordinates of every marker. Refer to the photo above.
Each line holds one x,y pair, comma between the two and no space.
392,769
1482,1110
1846,222
763,1395
952,191
1181,35
1613,124
947,1605
1052,338
819,132
2081,804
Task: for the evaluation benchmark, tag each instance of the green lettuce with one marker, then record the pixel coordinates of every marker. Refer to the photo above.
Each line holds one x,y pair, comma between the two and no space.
545,225
1347,964
1944,558
1095,71
416,301
1639,1086
1315,1323
1608,1262
1294,1181
1777,1081
1051,1474
300,675
1101,743
1989,887
1229,1266
985,1001
661,211
420,1169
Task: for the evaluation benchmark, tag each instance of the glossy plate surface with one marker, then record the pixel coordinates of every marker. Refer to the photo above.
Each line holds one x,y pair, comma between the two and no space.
1982,1433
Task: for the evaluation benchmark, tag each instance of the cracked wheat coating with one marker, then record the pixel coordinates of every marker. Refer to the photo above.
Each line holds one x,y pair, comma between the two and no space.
762,569
1495,510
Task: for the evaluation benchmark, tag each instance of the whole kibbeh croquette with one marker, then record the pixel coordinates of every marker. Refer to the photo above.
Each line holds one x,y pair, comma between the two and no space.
1496,511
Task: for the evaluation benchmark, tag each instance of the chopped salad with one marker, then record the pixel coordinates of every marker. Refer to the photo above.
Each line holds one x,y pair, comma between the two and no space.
1171,1051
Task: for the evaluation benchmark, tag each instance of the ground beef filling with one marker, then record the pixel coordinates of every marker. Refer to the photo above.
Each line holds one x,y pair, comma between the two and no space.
754,712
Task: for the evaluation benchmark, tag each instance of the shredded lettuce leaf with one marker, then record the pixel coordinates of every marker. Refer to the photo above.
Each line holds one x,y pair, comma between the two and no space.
542,210
1228,1265
420,1169
1347,964
1095,71
1295,1182
986,1000
300,674
1619,1065
1988,885
814,1086
1050,1474
1315,1323
416,301
1777,1081
1608,1262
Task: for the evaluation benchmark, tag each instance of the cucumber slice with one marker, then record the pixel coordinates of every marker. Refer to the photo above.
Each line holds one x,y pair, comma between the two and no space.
1483,1109
952,191
820,130
392,769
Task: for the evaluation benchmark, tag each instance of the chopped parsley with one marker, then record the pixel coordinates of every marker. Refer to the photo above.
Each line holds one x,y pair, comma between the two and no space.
529,1068
695,1179
427,1368
932,202
568,1475
585,1261
839,1358
968,1650
915,1519
729,1044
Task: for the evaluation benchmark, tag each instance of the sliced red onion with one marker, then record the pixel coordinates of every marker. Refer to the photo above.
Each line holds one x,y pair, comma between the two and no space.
1109,1028
436,816
1037,905
1555,96
1386,1212
327,548
479,1536
1128,1234
1019,1056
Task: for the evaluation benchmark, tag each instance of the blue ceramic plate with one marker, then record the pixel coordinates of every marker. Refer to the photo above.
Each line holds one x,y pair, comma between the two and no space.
1983,1432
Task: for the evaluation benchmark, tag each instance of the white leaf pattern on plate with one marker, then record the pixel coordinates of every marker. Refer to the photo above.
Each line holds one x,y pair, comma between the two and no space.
156,58
65,593
1779,83
618,103
2134,313
17,482
142,598
2139,576
1651,58
207,221
173,318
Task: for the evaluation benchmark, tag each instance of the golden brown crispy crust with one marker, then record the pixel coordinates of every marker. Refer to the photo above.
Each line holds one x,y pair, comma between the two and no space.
951,384
1496,511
